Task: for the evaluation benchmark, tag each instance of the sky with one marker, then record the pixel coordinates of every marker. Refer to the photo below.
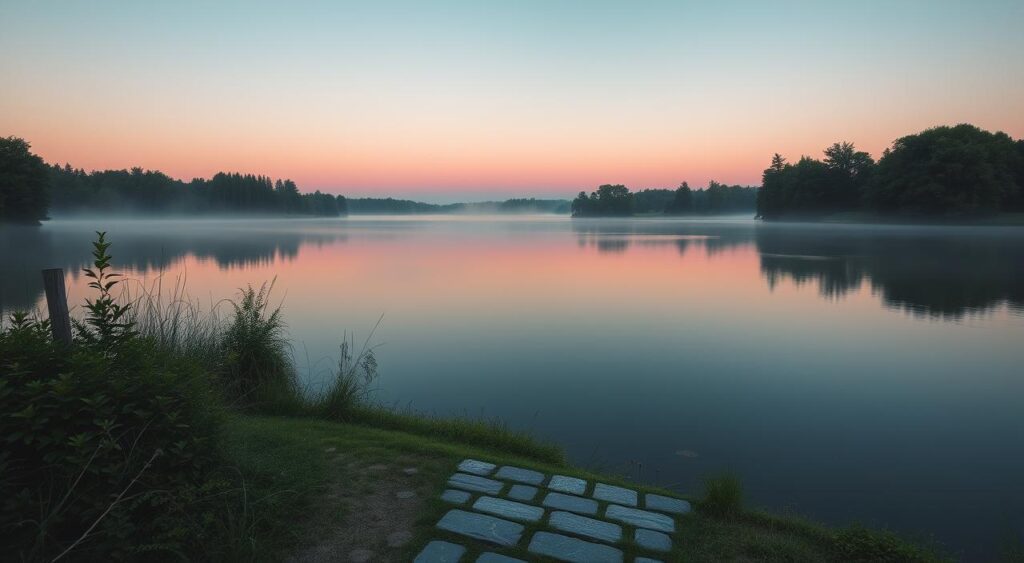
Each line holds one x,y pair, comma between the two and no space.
488,99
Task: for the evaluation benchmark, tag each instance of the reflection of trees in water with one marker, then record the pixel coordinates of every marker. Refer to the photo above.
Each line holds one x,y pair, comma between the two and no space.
926,271
25,251
616,236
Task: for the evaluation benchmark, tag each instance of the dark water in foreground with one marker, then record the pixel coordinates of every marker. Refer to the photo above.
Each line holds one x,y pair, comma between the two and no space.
846,373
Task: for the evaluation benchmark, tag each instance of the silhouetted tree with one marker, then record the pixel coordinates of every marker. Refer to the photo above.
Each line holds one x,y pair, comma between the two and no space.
607,200
23,179
682,201
949,171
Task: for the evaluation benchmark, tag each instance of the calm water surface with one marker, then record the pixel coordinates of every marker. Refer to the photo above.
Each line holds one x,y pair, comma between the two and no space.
850,374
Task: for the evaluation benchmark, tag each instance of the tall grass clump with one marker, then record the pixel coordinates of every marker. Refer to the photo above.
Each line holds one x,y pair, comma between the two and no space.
176,323
723,496
352,383
257,371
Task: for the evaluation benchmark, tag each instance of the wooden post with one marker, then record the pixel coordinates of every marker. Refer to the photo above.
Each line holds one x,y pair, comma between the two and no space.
57,303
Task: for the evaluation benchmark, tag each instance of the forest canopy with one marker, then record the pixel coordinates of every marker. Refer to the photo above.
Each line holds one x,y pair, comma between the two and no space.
943,172
616,200
74,191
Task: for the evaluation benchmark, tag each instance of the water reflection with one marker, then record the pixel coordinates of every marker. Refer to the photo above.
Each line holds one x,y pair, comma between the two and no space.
926,271
147,246
943,273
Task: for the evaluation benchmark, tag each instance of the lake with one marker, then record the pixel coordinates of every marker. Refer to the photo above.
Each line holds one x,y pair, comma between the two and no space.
847,373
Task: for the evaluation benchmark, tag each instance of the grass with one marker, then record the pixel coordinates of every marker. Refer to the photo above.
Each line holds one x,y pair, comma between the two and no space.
289,455
723,496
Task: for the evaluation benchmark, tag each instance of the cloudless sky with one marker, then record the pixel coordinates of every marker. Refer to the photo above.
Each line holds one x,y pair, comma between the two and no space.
479,99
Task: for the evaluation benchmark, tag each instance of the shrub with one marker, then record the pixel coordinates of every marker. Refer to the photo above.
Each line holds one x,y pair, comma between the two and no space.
104,443
257,370
723,496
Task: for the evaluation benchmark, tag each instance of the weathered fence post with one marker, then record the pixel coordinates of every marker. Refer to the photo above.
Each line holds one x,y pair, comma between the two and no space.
57,303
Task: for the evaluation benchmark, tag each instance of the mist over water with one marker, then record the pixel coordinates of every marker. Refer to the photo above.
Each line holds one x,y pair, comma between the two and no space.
847,373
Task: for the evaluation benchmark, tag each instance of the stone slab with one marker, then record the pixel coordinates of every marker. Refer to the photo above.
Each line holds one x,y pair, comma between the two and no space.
654,541
640,518
522,492
666,504
475,483
570,503
497,558
455,497
565,548
570,485
508,509
481,527
618,495
528,476
440,552
583,526
476,467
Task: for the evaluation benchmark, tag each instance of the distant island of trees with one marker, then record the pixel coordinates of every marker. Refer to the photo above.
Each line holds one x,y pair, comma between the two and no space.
617,201
940,173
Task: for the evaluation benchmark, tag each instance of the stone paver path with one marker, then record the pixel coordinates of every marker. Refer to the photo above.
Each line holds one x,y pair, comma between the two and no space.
551,516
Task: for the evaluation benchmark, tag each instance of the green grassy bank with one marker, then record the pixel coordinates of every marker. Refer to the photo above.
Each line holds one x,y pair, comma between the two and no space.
295,462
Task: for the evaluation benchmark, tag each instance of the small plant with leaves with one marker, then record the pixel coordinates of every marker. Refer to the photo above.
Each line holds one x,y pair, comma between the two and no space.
107,322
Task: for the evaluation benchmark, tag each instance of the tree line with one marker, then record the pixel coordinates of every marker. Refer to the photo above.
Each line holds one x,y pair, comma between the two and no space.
617,201
952,172
30,190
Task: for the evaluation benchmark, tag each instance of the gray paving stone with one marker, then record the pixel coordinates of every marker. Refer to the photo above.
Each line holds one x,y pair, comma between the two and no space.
528,476
440,552
570,485
583,526
455,497
475,483
573,550
481,527
522,492
640,518
476,467
497,558
570,503
646,560
508,509
655,541
666,504
611,493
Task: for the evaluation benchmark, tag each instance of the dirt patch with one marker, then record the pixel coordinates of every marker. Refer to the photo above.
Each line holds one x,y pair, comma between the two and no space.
378,506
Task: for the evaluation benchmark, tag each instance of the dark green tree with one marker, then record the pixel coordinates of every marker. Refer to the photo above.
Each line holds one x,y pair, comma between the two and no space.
608,200
682,201
23,183
948,171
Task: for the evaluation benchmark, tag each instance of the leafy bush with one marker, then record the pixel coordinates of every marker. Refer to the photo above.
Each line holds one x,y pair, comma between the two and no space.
106,444
723,496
